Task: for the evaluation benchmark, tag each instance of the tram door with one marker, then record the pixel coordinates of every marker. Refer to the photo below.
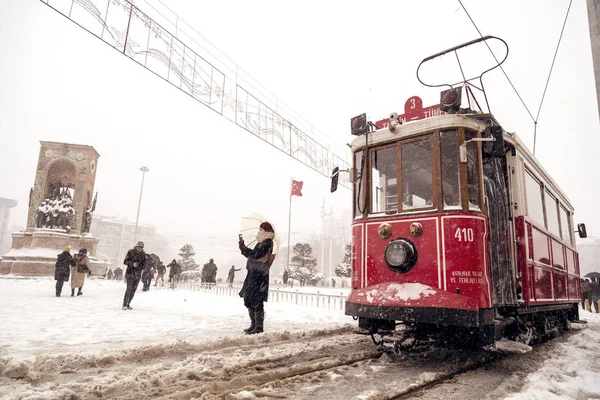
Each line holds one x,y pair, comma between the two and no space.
497,204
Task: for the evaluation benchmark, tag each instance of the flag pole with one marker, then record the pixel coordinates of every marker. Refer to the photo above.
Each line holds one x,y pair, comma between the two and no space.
289,227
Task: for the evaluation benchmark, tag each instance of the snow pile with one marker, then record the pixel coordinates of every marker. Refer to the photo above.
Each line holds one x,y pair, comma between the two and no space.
572,371
42,252
399,292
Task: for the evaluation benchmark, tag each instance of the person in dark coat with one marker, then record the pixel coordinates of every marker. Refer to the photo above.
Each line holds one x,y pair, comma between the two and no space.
148,273
209,272
285,277
161,269
594,295
135,261
178,271
231,274
585,292
255,290
173,268
109,274
64,262
118,273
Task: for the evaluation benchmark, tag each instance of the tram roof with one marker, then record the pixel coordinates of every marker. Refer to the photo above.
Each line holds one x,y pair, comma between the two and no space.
450,121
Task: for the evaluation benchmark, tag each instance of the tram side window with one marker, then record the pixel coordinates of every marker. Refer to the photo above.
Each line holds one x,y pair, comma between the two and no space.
472,173
552,214
565,226
359,185
450,170
417,175
533,190
384,178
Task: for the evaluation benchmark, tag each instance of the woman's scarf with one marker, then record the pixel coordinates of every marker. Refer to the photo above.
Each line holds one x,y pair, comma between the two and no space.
261,236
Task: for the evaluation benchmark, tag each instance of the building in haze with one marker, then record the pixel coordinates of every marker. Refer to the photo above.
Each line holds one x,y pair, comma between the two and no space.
5,240
115,238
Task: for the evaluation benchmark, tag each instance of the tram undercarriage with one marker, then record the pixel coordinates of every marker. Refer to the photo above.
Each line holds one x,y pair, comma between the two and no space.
527,325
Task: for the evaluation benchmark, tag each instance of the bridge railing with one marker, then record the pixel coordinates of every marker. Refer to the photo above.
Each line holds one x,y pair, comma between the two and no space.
276,295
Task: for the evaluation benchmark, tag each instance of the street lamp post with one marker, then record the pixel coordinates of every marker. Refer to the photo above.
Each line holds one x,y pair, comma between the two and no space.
144,170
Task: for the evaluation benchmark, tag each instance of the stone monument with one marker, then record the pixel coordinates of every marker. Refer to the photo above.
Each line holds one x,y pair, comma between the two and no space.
60,211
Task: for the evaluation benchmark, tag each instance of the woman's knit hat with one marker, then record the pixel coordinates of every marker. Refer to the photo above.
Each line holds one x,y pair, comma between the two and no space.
82,251
266,227
67,249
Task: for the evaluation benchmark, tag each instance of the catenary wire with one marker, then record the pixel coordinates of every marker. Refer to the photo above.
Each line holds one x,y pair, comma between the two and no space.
535,120
550,72
495,58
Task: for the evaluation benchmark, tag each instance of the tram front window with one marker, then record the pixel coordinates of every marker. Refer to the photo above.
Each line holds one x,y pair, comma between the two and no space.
472,173
450,170
359,186
417,176
384,195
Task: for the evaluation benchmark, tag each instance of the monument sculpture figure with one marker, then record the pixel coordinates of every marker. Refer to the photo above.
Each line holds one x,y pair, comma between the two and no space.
88,215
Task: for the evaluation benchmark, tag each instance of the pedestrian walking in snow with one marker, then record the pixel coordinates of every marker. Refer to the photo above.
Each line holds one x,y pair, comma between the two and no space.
118,273
585,292
231,274
209,272
64,262
135,260
255,289
285,277
161,269
109,274
173,268
79,272
178,272
148,273
594,294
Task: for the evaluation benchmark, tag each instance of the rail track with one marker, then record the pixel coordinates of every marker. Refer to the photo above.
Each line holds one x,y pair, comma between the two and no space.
319,364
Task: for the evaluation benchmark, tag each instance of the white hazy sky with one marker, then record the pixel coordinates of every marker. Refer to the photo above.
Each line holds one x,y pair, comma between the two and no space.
328,61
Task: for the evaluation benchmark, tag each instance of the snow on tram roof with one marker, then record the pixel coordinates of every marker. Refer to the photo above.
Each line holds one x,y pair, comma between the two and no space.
449,121
414,128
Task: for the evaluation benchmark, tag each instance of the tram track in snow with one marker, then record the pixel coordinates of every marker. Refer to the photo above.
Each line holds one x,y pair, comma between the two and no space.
328,364
186,370
419,389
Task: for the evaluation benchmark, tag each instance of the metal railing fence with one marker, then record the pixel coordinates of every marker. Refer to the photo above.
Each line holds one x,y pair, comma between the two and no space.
276,295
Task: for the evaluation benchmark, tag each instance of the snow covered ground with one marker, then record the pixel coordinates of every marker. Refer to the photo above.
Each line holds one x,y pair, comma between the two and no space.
35,322
39,332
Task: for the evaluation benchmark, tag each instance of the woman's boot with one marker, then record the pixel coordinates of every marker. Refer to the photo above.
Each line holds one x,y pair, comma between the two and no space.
259,317
79,292
72,292
252,321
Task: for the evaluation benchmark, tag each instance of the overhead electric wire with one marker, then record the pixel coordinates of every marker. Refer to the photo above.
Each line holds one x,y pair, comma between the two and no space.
535,120
501,68
550,73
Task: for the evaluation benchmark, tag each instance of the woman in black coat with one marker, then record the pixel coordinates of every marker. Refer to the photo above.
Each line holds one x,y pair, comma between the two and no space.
255,290
63,265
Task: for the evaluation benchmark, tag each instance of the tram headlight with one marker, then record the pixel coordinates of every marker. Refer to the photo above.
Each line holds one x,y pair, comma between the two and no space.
400,255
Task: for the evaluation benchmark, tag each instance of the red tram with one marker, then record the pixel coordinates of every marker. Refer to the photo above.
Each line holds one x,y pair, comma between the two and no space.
457,226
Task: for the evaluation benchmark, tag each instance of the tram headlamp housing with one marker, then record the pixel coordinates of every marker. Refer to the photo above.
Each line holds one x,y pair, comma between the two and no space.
359,125
450,100
400,255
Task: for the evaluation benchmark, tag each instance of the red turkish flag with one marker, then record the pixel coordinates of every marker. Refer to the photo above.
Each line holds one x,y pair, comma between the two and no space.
297,188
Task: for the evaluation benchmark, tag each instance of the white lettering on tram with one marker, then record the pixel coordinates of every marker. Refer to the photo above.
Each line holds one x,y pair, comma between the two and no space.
464,234
466,277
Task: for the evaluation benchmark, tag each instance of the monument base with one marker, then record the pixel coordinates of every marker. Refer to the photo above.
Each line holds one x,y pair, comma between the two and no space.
34,253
